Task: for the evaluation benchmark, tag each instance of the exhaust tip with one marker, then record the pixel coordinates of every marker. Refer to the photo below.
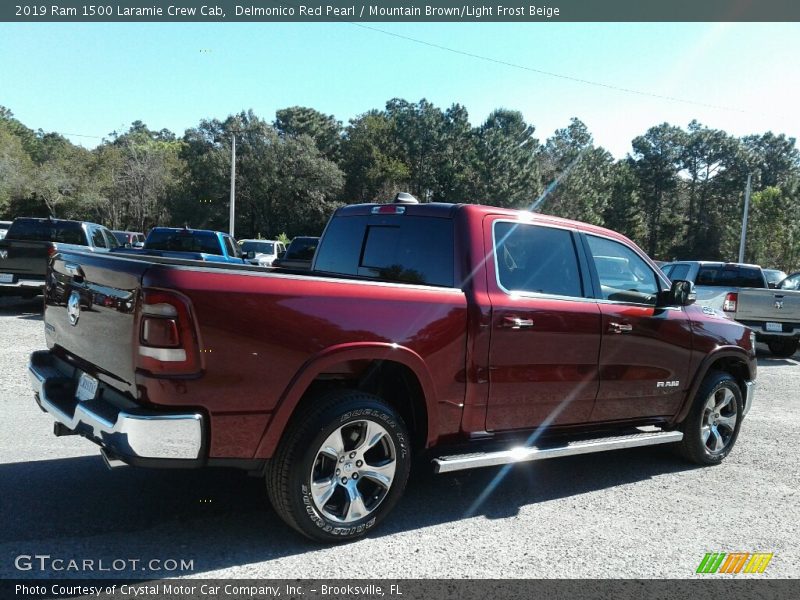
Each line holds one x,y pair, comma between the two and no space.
112,460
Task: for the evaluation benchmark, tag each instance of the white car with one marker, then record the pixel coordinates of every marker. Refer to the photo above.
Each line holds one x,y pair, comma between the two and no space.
261,252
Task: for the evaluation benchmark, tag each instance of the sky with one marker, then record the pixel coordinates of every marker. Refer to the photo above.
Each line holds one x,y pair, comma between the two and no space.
92,79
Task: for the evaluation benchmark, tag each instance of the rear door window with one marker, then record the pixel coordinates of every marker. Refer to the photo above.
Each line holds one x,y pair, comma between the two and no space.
536,259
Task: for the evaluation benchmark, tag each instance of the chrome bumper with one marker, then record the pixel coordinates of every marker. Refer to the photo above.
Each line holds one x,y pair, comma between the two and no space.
131,433
749,392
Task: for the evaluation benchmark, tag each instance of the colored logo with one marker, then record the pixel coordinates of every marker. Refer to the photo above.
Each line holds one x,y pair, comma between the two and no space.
734,562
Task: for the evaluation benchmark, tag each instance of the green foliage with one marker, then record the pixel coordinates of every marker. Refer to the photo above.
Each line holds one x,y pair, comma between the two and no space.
679,193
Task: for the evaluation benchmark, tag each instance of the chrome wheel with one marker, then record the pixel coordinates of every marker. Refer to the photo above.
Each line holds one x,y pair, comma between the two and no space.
719,420
353,471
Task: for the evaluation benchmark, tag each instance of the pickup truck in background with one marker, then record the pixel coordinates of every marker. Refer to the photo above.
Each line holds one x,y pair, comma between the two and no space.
741,292
189,244
467,335
30,242
261,252
298,255
4,225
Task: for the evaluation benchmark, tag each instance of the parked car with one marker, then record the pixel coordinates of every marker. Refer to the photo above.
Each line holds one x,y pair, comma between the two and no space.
299,254
129,239
189,244
4,225
470,335
773,277
30,242
740,291
261,252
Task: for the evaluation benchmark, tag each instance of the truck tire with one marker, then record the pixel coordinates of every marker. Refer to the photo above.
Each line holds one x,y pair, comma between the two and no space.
340,467
783,348
712,425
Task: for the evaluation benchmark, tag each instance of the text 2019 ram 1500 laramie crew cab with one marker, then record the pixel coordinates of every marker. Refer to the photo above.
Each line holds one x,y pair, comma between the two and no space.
456,332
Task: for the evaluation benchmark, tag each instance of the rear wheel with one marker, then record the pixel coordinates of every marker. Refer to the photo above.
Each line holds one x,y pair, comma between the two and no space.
783,348
341,466
712,426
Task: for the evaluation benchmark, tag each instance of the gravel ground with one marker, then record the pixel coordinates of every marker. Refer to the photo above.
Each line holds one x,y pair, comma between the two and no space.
632,513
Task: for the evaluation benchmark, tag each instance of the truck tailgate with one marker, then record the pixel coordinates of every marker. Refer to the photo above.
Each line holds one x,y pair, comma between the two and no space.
22,259
89,312
778,306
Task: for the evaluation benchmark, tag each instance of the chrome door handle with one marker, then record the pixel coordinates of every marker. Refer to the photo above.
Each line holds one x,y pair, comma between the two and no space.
620,327
517,323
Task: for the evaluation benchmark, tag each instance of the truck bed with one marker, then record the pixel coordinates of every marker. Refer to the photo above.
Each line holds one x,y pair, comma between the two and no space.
257,331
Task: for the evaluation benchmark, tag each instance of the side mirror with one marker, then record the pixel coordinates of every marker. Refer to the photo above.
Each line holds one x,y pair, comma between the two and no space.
681,293
128,245
281,254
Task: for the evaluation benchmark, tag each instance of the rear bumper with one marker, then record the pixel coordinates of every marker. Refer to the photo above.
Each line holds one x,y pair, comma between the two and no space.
134,435
788,330
23,284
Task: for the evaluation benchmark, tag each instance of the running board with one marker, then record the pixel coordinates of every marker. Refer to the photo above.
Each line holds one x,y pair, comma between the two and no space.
459,462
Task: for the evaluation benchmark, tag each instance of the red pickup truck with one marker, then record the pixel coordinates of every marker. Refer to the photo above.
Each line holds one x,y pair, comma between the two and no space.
468,335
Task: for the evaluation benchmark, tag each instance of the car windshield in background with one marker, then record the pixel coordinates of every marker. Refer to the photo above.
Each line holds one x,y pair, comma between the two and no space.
65,232
302,249
184,241
774,276
725,276
259,247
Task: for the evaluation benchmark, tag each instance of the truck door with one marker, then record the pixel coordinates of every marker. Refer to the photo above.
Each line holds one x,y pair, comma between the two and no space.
645,352
545,327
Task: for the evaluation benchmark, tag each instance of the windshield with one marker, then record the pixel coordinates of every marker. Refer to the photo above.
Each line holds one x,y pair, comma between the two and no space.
184,241
259,247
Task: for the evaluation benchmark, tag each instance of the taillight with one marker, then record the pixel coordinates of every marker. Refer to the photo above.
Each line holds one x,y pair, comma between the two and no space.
52,250
729,305
167,342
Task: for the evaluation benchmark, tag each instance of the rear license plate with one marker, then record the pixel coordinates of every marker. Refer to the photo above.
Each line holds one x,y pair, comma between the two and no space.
6,278
774,327
87,387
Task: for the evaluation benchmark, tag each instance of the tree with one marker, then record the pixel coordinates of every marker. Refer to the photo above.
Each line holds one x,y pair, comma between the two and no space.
657,161
324,130
577,175
373,170
507,167
283,183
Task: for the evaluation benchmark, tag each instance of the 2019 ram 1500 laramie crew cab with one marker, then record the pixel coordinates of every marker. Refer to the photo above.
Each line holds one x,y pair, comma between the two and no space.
448,331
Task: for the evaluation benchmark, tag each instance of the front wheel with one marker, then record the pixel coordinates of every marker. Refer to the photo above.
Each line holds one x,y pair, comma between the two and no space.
341,466
783,348
712,426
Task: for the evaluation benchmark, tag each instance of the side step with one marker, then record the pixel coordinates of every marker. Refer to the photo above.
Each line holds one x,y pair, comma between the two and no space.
459,462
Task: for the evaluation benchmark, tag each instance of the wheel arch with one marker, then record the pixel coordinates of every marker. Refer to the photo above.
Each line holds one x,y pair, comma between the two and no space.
395,373
732,360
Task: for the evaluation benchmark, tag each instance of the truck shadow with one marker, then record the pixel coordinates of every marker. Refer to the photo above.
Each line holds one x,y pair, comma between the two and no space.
220,518
22,308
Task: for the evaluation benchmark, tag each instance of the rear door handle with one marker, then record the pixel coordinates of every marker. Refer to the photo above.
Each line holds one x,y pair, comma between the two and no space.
517,323
620,327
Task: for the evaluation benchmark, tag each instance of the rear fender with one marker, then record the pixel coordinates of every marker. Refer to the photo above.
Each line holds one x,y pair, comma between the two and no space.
734,352
322,362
